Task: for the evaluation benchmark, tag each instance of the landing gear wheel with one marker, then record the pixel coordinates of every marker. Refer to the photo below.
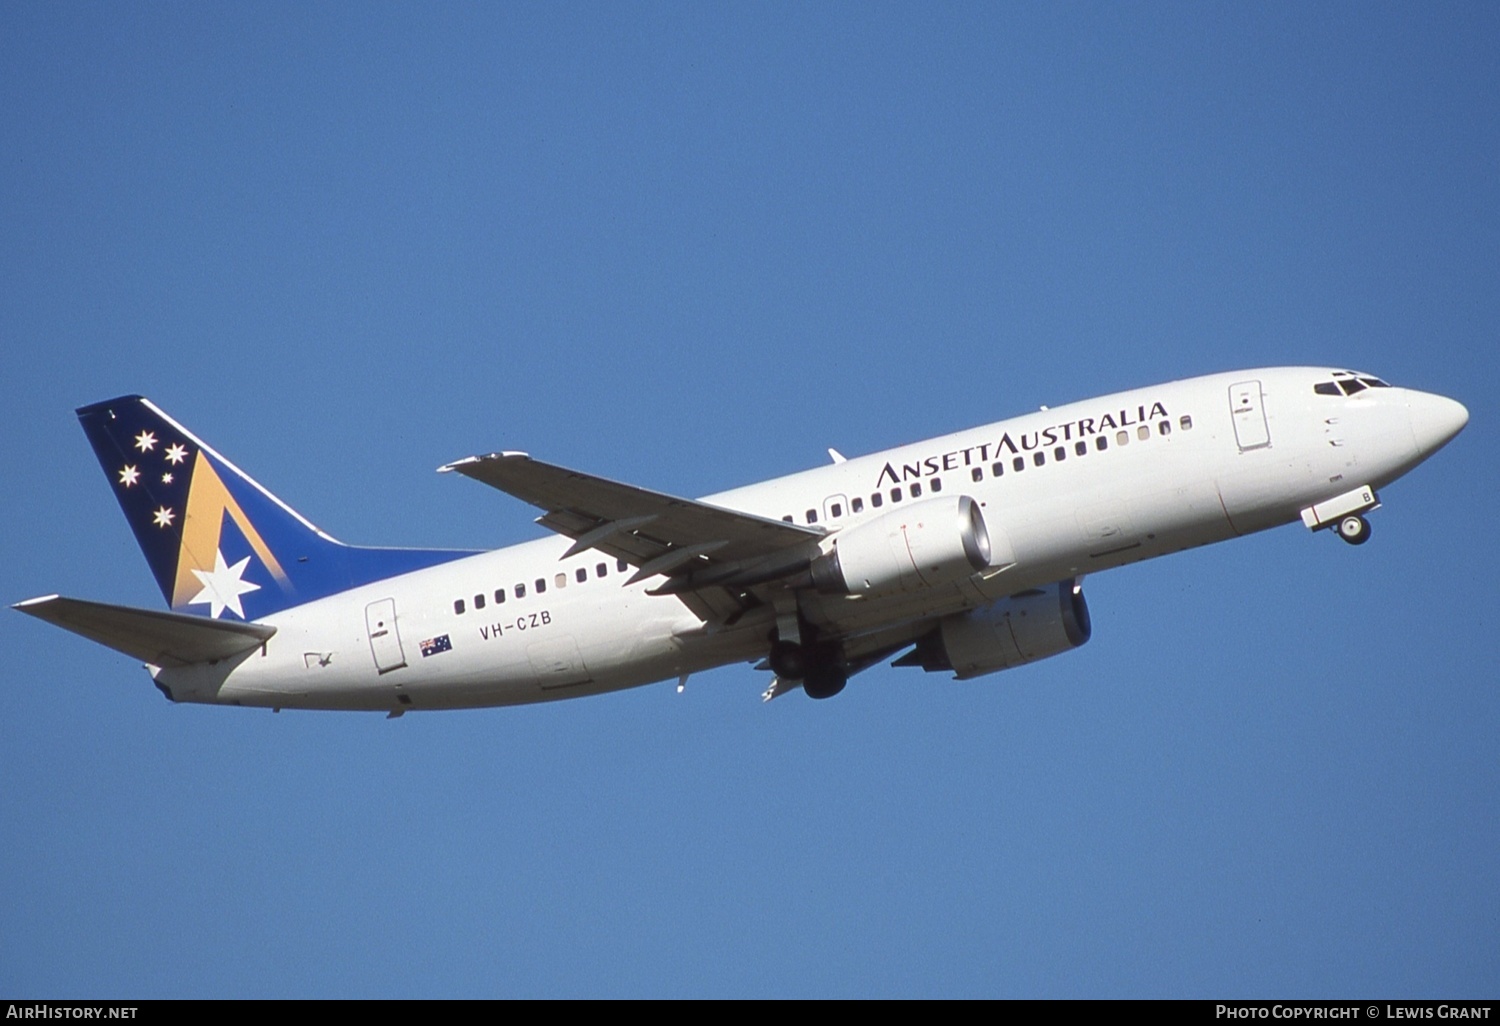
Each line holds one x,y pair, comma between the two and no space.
824,681
788,660
1355,530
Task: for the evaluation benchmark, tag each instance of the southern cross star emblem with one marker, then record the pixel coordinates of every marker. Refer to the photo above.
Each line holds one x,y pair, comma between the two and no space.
163,517
145,441
223,586
176,454
129,475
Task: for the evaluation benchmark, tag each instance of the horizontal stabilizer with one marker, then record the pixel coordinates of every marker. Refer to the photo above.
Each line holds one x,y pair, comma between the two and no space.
161,639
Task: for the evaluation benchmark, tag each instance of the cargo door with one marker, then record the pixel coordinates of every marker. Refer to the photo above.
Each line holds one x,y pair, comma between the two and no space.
557,662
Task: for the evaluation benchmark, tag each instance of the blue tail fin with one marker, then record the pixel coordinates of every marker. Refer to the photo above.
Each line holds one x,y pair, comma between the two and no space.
216,540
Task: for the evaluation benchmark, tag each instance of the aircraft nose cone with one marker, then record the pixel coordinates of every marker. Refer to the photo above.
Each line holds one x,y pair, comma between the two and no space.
1435,419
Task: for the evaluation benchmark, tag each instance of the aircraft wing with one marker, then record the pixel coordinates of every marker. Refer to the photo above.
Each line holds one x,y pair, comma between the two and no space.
161,639
692,543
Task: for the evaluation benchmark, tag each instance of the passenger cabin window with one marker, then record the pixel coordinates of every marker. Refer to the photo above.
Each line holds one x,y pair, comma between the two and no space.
997,469
479,601
1018,464
876,500
1185,422
1101,443
977,474
1165,427
916,490
1059,453
856,505
812,516
620,565
1080,448
602,569
1039,458
1143,432
458,606
520,591
561,580
837,510
1122,437
582,575
937,484
499,596
895,495
541,585
787,518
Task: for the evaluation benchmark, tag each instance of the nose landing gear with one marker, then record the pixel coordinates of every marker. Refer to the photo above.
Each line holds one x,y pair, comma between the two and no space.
1354,529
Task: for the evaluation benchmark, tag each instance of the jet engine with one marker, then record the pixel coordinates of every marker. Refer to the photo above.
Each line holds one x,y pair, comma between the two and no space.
934,541
1020,629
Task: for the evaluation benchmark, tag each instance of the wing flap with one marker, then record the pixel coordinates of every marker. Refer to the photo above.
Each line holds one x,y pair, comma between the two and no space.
161,639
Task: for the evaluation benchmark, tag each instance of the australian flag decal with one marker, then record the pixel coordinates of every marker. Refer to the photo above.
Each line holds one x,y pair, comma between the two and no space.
432,646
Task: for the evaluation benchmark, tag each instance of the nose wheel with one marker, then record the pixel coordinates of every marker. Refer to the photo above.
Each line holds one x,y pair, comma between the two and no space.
1354,529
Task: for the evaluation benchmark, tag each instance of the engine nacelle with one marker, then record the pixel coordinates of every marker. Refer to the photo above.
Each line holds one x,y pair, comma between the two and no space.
1021,629
934,541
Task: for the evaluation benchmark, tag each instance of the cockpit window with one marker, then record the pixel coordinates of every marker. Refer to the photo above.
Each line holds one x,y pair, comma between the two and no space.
1348,383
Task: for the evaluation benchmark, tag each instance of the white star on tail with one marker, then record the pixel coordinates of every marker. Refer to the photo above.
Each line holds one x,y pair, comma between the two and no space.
176,454
145,441
129,476
222,587
163,517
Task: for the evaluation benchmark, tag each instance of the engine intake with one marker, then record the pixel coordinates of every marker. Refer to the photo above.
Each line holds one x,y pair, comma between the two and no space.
932,542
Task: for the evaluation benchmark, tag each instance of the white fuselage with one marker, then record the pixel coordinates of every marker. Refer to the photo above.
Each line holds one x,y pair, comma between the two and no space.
1079,488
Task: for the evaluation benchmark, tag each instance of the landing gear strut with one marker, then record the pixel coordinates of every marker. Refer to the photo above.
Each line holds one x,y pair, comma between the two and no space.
1354,529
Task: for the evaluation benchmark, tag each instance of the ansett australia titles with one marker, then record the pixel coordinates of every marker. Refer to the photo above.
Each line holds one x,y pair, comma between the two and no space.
1025,441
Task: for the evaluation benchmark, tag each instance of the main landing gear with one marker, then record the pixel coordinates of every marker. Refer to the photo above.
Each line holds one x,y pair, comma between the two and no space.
824,680
1354,529
820,671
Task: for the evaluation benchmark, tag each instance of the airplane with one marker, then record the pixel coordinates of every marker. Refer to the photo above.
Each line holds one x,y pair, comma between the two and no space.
963,553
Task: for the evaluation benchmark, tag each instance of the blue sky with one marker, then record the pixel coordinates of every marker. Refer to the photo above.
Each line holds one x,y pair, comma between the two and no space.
691,246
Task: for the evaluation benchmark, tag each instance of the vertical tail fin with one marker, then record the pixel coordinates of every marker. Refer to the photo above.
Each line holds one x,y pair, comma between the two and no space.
217,542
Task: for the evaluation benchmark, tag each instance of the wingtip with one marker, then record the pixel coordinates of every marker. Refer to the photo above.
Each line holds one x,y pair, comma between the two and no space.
448,468
39,600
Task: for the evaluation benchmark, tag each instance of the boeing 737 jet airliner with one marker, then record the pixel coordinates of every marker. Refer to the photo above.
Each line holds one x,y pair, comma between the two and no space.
962,553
